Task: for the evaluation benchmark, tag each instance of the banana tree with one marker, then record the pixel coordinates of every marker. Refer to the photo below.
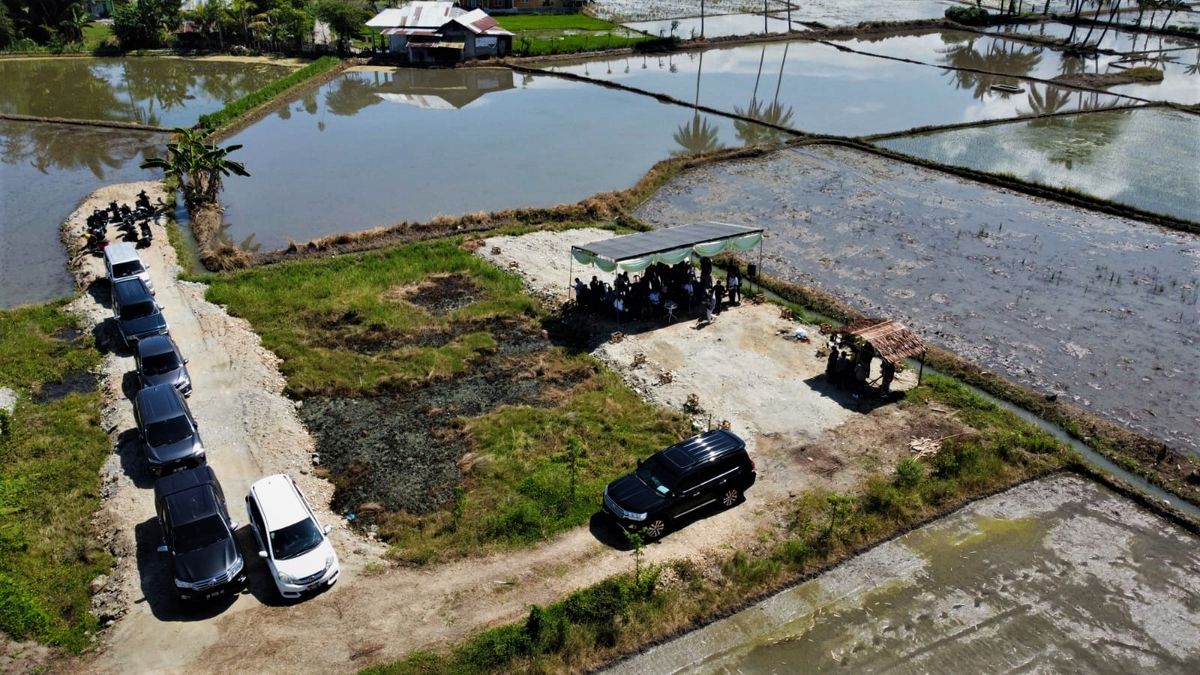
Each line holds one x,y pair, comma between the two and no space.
198,167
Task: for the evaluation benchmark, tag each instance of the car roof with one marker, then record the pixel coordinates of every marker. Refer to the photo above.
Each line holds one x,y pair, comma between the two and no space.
131,289
702,448
159,402
279,501
154,345
120,252
188,494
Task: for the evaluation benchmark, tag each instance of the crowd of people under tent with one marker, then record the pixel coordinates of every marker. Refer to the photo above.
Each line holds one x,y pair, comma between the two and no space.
661,291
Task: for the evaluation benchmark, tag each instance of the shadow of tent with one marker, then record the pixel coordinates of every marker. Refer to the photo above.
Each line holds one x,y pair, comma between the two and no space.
862,403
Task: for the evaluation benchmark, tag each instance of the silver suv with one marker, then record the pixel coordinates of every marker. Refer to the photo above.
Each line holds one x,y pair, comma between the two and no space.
121,261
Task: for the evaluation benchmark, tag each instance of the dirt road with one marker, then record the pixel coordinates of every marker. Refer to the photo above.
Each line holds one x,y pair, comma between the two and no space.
378,613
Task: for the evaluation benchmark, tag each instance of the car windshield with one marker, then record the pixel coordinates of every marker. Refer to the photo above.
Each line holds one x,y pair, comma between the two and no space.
198,534
169,431
295,539
654,473
127,269
160,363
137,310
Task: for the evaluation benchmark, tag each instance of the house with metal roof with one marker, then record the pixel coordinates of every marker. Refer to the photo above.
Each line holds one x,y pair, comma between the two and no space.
441,32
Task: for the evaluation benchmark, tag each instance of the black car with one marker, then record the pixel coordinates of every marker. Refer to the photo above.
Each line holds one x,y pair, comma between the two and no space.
168,430
198,534
135,310
712,468
159,362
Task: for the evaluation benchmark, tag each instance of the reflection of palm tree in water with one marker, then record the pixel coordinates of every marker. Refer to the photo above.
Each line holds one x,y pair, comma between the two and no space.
1002,61
700,135
1074,139
48,147
248,244
773,113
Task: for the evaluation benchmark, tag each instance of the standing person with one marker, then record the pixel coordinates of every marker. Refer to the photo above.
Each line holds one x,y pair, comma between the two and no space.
889,374
710,304
831,364
719,295
735,288
580,290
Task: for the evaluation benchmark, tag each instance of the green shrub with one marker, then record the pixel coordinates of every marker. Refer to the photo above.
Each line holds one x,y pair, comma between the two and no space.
266,93
750,571
968,16
909,473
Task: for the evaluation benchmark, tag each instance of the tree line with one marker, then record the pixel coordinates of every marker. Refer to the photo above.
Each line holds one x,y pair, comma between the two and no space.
265,25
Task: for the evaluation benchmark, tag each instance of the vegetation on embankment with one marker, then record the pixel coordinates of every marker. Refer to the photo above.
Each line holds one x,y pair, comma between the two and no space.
624,614
51,451
456,353
223,119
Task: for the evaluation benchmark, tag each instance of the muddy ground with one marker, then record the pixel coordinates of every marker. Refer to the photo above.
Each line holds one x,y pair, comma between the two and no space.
1093,308
403,451
1056,575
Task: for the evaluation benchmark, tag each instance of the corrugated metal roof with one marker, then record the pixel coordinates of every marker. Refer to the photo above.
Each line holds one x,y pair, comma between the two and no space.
658,241
892,340
420,14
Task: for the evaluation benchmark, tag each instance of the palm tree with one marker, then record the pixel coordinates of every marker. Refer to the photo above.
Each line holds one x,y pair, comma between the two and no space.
197,166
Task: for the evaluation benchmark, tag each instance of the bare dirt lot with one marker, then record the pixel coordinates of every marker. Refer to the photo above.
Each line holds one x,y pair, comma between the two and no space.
378,613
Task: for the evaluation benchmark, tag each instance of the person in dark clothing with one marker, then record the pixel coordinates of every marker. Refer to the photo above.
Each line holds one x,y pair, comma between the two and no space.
706,266
719,295
889,374
831,364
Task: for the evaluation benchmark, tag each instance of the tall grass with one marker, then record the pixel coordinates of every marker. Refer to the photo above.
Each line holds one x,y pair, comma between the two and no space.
50,458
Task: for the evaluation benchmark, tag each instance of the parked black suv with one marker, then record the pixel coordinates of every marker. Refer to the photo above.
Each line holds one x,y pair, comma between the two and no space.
168,429
159,362
135,310
707,469
198,534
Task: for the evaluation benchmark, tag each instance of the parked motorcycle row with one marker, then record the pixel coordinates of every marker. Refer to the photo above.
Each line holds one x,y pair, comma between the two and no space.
133,223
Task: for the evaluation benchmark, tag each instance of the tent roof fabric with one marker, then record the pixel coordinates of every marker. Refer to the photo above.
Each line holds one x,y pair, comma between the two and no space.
892,340
658,241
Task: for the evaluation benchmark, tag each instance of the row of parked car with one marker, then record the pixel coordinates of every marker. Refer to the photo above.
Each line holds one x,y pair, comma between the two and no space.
198,534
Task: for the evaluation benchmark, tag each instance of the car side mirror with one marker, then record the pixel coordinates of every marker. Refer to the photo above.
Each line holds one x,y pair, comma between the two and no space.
233,524
164,549
328,529
185,362
262,554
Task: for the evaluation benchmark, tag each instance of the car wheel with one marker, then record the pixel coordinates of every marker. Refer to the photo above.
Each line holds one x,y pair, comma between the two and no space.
655,529
730,497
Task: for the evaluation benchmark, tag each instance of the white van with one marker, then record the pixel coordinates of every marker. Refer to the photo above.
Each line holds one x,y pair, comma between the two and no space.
121,261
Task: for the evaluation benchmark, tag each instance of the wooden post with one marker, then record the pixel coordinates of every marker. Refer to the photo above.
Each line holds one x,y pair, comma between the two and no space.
921,372
570,274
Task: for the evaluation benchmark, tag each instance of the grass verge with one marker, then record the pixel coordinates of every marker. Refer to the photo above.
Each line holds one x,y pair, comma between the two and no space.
532,23
430,330
262,95
547,45
50,458
624,613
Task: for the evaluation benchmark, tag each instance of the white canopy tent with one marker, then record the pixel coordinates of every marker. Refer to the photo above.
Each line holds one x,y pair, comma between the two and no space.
636,252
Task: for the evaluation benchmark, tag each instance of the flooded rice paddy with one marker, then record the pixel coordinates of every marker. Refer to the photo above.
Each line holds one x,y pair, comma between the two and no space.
1102,154
817,88
45,170
1004,60
725,25
1070,302
1056,575
649,10
374,148
161,92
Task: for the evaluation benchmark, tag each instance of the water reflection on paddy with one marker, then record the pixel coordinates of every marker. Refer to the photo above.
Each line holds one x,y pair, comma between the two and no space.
714,26
45,170
974,52
166,92
374,148
1101,154
817,88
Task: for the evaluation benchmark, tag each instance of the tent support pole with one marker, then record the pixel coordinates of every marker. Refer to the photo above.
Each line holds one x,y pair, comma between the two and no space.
921,372
570,275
